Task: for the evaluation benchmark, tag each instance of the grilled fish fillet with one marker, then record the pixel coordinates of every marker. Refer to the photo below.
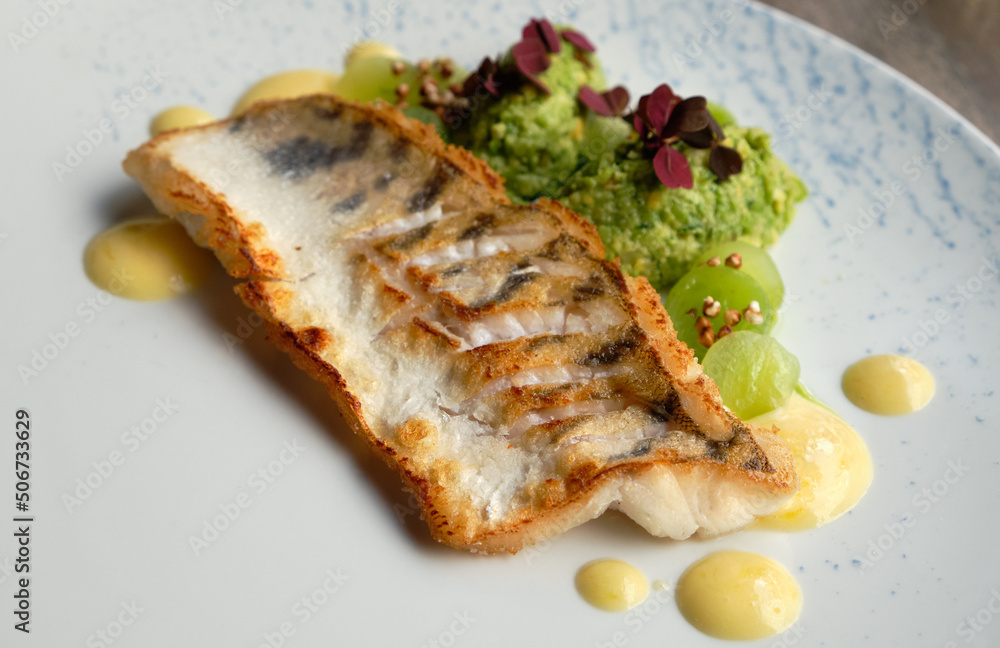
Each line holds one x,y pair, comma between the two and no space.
519,383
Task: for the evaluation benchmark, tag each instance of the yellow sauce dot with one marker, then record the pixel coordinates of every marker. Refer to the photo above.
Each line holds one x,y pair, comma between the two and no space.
890,385
611,585
287,85
370,49
146,259
831,459
179,117
739,596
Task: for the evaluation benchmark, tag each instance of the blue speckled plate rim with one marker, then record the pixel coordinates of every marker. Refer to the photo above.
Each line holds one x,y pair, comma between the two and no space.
884,68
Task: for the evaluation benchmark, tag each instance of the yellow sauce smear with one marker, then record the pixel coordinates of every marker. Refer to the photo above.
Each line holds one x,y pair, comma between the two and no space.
146,259
287,85
889,385
179,117
611,585
831,459
738,595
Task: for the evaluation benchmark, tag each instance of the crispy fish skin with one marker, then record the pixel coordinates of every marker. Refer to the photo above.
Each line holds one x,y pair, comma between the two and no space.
519,383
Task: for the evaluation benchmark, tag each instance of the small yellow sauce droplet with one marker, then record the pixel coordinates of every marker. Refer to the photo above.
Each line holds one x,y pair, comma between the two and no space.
287,85
146,259
611,585
890,385
739,596
831,459
369,49
179,117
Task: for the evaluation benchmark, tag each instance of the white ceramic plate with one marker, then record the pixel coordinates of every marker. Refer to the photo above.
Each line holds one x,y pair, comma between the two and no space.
857,132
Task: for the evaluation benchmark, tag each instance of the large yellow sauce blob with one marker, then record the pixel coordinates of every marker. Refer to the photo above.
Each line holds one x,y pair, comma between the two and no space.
831,459
738,595
146,259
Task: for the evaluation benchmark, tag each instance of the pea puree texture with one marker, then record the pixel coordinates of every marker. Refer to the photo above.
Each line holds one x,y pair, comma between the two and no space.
659,232
530,138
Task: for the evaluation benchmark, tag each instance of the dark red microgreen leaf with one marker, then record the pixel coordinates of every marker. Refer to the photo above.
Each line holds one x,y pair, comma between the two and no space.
595,101
725,162
533,52
716,129
672,168
701,139
656,109
578,40
552,42
618,99
607,104
542,30
706,136
531,77
485,76
641,120
688,116
649,129
531,59
638,124
492,86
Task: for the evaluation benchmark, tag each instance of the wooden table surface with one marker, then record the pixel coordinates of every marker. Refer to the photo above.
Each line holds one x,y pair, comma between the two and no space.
951,47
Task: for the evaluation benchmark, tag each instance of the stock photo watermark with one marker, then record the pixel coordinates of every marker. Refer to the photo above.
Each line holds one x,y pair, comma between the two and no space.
380,20
113,630
32,24
6,570
638,617
564,12
913,169
305,608
41,357
972,625
411,507
259,481
796,118
923,501
460,624
245,327
223,8
900,16
712,31
957,297
131,440
121,107
536,551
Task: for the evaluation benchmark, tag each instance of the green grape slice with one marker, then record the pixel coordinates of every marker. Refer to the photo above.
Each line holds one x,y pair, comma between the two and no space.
733,289
756,262
372,77
755,374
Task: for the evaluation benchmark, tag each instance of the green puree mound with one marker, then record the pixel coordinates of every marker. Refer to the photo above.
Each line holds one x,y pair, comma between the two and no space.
530,138
659,232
